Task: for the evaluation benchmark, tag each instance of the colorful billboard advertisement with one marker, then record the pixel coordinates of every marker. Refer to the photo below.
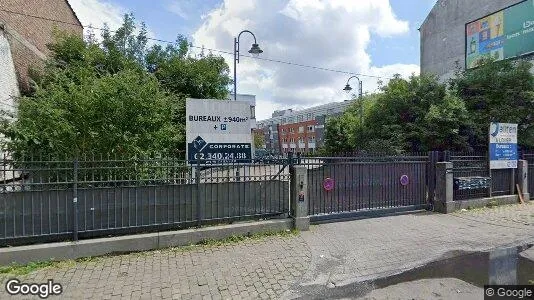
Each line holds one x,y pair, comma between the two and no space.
505,34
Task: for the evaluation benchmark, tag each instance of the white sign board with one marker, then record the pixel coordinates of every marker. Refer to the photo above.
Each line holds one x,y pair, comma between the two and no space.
503,146
217,131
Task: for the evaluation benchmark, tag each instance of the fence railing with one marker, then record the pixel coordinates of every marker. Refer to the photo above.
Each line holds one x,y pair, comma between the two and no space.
529,157
470,165
44,200
365,182
474,179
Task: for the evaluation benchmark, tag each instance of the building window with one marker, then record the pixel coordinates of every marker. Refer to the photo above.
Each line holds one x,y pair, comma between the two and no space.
310,128
301,129
291,130
283,121
309,117
311,139
299,118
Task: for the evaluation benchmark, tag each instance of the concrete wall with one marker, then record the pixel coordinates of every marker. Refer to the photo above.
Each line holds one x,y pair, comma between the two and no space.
29,36
443,33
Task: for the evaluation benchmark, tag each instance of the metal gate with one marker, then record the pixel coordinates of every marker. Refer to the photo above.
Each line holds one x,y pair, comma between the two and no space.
347,186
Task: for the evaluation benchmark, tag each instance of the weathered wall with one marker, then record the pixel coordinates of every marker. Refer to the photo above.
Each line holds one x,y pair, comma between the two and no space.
23,31
443,33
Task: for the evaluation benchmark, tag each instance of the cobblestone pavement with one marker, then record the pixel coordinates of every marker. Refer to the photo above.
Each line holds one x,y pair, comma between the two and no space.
307,265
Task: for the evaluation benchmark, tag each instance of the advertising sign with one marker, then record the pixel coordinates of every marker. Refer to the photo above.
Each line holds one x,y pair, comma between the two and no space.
503,146
218,131
504,34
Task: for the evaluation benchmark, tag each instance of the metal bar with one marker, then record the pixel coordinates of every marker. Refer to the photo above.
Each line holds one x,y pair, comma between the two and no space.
75,201
197,184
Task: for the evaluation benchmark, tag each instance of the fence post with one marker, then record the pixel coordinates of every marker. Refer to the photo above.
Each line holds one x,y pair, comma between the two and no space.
75,201
299,197
444,188
197,182
433,158
522,178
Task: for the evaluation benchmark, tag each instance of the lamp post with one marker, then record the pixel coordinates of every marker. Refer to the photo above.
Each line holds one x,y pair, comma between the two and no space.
348,88
254,50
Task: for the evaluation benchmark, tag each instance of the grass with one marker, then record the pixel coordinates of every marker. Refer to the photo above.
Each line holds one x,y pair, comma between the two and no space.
24,269
17,269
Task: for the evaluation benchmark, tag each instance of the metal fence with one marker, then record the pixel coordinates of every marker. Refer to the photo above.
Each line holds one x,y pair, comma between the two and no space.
529,157
474,179
365,182
42,200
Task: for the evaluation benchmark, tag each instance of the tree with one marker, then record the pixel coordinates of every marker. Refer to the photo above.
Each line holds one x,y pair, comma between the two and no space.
259,140
408,115
117,96
81,109
501,91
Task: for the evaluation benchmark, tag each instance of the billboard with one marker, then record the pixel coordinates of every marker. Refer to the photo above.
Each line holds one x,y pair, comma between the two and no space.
217,131
505,34
503,146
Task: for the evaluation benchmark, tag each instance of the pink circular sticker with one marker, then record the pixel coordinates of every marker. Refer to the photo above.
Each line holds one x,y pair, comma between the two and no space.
328,184
404,180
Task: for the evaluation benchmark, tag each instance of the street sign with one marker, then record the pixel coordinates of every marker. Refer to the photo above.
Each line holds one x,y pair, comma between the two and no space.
218,131
503,146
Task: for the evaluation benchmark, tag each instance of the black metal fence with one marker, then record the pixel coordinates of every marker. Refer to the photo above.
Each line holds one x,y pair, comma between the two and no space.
474,179
529,157
365,182
43,200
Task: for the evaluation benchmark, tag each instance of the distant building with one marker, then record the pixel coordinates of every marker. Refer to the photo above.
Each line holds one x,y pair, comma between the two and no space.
457,33
299,130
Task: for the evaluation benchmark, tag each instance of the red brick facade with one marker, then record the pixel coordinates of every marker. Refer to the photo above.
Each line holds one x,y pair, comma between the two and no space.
28,36
301,135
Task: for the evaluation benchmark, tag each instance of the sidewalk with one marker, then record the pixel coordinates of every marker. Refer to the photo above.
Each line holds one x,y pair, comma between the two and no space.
305,265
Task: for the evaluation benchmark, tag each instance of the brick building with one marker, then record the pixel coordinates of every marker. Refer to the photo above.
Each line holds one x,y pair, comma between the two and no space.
299,130
26,27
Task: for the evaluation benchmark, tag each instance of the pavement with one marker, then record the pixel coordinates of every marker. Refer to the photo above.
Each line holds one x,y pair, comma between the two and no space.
320,263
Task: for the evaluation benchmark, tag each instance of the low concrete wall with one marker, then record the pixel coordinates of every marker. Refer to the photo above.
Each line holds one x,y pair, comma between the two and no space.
482,202
133,243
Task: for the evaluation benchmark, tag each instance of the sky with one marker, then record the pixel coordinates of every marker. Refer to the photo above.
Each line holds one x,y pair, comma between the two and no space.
373,38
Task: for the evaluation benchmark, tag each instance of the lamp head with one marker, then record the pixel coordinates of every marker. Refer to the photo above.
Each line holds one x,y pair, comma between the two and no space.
255,50
347,88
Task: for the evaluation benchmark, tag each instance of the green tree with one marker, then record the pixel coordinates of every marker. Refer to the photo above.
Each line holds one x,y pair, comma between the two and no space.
80,109
501,91
408,115
114,96
259,141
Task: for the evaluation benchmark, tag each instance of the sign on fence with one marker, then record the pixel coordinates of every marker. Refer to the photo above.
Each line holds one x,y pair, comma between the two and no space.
503,146
218,131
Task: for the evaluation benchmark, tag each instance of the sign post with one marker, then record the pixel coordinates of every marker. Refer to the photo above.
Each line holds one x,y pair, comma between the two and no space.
503,146
218,131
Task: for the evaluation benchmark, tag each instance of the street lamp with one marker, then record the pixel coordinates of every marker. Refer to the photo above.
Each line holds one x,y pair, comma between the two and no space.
255,50
348,88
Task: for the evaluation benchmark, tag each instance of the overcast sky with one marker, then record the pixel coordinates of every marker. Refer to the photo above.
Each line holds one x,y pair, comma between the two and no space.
369,37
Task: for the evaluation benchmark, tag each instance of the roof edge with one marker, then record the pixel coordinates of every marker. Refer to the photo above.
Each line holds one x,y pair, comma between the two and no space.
74,13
